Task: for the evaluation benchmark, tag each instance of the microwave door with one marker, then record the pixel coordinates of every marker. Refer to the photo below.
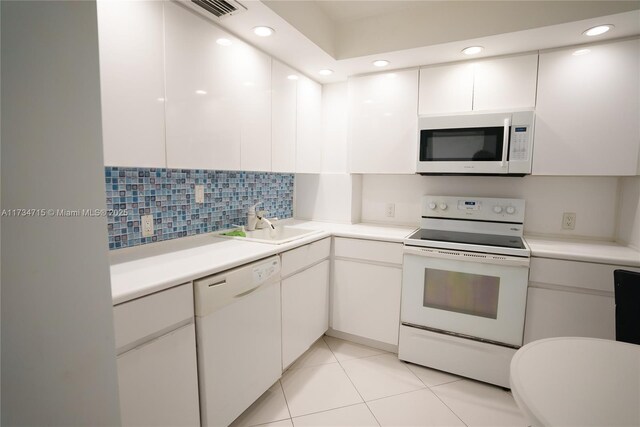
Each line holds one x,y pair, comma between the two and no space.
472,150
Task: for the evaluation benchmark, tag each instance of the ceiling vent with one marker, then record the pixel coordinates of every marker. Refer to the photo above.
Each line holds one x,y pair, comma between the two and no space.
217,8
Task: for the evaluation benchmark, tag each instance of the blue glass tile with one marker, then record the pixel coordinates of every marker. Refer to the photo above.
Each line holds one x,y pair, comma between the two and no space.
169,195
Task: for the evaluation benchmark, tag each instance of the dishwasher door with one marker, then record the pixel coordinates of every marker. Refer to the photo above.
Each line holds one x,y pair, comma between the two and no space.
238,332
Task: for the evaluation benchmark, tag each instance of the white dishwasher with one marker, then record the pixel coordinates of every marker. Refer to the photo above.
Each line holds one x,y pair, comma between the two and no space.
238,332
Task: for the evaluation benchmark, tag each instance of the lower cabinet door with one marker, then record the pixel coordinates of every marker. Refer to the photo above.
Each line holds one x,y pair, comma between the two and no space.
558,313
366,300
305,310
159,381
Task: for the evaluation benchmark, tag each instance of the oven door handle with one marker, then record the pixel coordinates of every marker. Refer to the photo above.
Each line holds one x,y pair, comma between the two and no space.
505,141
506,260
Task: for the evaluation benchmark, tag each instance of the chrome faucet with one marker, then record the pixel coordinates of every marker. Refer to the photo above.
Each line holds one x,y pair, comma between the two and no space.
263,220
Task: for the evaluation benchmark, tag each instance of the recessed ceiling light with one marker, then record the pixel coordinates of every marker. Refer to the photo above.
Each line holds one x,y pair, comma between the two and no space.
160,99
292,77
581,52
381,63
472,50
596,31
224,42
325,72
263,31
201,92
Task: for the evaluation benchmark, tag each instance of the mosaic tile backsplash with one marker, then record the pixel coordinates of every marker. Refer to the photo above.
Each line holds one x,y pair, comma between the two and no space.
169,195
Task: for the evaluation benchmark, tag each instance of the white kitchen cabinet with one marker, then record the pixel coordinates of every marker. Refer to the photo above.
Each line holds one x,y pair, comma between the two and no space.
446,88
567,313
308,126
305,310
132,82
587,111
157,368
383,124
488,84
283,118
570,298
158,381
367,280
218,104
305,298
505,83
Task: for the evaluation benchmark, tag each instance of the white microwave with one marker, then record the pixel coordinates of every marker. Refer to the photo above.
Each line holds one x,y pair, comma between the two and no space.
476,144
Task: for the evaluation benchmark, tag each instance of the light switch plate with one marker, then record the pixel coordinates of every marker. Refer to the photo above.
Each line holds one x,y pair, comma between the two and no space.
199,193
147,225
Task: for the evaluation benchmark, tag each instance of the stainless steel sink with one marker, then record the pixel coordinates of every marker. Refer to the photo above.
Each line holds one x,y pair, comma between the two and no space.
281,234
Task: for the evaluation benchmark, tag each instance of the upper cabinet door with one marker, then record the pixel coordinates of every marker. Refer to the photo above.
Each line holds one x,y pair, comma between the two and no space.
383,122
587,111
218,108
505,83
283,118
132,82
309,119
446,89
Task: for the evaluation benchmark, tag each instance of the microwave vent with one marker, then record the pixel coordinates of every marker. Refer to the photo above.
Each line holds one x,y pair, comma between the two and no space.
220,8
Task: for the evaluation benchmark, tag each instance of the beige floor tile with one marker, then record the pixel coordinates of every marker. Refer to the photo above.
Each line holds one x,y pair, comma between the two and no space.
318,388
381,376
417,408
480,404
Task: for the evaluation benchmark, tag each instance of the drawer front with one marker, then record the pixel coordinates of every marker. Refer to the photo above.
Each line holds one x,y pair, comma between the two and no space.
299,258
574,273
137,319
369,250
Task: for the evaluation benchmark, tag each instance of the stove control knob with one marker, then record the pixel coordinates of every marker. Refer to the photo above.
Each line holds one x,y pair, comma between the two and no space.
511,210
443,206
497,209
432,206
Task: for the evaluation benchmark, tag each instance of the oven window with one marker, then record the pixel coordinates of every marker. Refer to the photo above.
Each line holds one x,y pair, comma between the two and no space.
466,293
468,145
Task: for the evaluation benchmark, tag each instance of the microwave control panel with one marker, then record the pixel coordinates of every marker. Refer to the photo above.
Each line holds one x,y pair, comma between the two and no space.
519,148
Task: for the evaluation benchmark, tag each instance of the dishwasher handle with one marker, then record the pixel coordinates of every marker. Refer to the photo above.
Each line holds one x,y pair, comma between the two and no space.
212,293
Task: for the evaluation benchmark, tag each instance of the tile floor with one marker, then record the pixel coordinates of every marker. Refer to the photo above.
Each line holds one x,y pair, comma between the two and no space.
339,383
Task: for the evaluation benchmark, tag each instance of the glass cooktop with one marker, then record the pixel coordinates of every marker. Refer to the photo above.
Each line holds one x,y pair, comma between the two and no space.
496,240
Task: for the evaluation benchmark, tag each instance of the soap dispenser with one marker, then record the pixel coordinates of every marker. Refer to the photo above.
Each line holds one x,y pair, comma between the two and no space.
252,218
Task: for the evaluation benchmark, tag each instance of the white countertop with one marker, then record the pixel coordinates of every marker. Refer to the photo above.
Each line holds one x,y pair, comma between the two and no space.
583,250
577,382
142,270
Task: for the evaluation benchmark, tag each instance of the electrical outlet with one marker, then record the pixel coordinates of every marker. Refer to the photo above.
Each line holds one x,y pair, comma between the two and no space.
199,193
568,221
390,210
147,225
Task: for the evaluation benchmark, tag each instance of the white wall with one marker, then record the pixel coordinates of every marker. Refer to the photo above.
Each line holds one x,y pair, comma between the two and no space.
328,197
629,216
593,199
58,350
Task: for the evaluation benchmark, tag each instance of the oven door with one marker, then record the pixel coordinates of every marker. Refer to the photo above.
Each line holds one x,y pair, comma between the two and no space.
479,296
468,145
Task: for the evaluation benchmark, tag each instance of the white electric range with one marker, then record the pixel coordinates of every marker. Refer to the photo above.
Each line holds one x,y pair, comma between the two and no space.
464,287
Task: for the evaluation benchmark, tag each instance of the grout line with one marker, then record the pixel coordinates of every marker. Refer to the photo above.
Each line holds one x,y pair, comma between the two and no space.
327,410
448,407
286,402
354,387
